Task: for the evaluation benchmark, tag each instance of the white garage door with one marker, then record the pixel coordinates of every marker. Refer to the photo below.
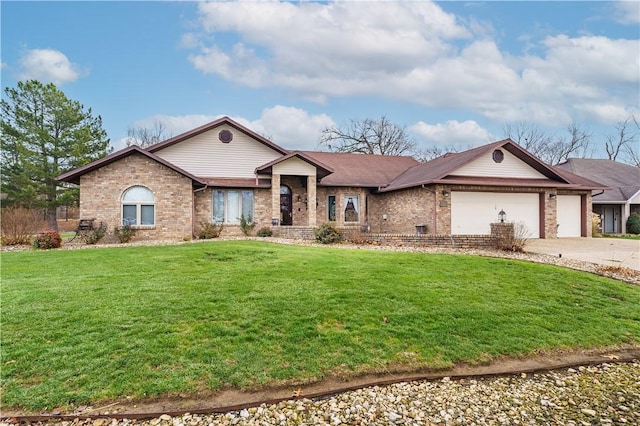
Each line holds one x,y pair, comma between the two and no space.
569,215
473,212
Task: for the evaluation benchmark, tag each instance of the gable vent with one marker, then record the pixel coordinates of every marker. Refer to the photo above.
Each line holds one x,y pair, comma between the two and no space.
225,136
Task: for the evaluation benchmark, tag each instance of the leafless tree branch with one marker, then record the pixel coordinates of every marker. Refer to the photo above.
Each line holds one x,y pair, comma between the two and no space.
369,137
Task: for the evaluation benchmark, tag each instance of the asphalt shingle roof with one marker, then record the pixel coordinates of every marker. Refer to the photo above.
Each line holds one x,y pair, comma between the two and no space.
623,179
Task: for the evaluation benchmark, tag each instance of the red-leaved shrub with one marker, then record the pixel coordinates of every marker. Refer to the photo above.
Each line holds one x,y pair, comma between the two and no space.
47,240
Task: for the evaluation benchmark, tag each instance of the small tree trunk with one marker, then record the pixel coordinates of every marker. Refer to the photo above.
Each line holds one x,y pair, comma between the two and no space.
52,218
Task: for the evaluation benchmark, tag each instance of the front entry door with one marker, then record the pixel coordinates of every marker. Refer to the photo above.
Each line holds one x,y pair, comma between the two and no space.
611,225
286,209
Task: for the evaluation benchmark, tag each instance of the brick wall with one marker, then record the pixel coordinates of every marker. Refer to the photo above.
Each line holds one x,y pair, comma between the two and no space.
353,234
101,193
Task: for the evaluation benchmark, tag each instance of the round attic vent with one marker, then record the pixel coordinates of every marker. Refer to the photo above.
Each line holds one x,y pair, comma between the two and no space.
225,136
498,156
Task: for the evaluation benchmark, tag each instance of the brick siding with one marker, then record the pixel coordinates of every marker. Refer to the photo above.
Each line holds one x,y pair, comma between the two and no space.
179,209
101,194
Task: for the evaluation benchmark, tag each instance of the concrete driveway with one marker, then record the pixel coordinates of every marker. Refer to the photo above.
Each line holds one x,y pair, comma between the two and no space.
604,251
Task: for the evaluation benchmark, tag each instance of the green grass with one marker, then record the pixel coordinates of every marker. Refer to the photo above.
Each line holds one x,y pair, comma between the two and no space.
621,236
83,326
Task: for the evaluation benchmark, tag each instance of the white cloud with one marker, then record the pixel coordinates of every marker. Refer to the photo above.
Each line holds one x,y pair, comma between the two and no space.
288,127
414,52
451,133
311,47
48,66
626,12
291,128
607,112
175,124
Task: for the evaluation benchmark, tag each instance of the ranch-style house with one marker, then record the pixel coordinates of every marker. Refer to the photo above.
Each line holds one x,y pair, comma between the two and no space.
222,171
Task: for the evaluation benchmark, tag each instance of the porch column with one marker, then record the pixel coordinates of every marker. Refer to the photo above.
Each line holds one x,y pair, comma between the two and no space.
275,197
311,199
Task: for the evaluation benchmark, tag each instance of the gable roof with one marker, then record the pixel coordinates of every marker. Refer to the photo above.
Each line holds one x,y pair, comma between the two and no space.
212,125
622,179
362,170
323,170
442,170
73,176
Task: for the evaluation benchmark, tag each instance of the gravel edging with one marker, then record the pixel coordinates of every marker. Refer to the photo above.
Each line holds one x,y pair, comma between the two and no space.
604,394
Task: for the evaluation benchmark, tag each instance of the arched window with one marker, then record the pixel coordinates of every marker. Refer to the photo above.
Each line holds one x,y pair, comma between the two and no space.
138,207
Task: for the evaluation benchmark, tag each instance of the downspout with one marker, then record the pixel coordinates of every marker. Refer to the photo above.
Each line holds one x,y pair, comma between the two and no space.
193,208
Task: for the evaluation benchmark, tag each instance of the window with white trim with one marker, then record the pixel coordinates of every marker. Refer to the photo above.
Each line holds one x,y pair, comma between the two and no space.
230,204
138,207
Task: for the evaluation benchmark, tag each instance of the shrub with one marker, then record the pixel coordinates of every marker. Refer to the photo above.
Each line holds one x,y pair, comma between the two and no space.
633,223
264,232
513,237
94,235
209,230
246,224
124,233
48,239
19,225
596,221
328,234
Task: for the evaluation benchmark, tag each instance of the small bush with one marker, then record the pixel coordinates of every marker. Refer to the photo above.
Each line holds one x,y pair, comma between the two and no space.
124,233
94,235
328,234
513,237
19,225
596,222
633,223
209,230
264,232
246,224
48,239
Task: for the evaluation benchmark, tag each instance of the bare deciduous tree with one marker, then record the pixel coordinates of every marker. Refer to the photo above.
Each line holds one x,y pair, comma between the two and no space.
145,136
433,152
369,137
624,144
548,147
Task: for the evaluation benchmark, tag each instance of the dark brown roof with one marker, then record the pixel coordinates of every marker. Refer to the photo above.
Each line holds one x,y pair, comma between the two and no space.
73,176
442,170
623,180
363,170
322,169
206,127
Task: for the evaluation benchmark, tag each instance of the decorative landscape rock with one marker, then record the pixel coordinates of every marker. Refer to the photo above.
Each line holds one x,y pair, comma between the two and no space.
606,394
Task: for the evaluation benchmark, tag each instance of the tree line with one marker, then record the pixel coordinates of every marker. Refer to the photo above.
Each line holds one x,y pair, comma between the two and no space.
370,136
45,134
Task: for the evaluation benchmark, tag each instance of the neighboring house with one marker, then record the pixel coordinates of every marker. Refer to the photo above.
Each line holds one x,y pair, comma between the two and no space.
222,170
614,205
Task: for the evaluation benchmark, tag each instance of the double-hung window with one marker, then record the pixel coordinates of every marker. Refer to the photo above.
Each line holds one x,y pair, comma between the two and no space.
138,207
230,204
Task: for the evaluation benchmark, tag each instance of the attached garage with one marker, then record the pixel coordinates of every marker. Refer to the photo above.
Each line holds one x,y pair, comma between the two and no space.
569,213
473,212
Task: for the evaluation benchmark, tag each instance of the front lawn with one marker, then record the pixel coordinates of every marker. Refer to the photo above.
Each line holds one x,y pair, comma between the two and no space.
83,326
